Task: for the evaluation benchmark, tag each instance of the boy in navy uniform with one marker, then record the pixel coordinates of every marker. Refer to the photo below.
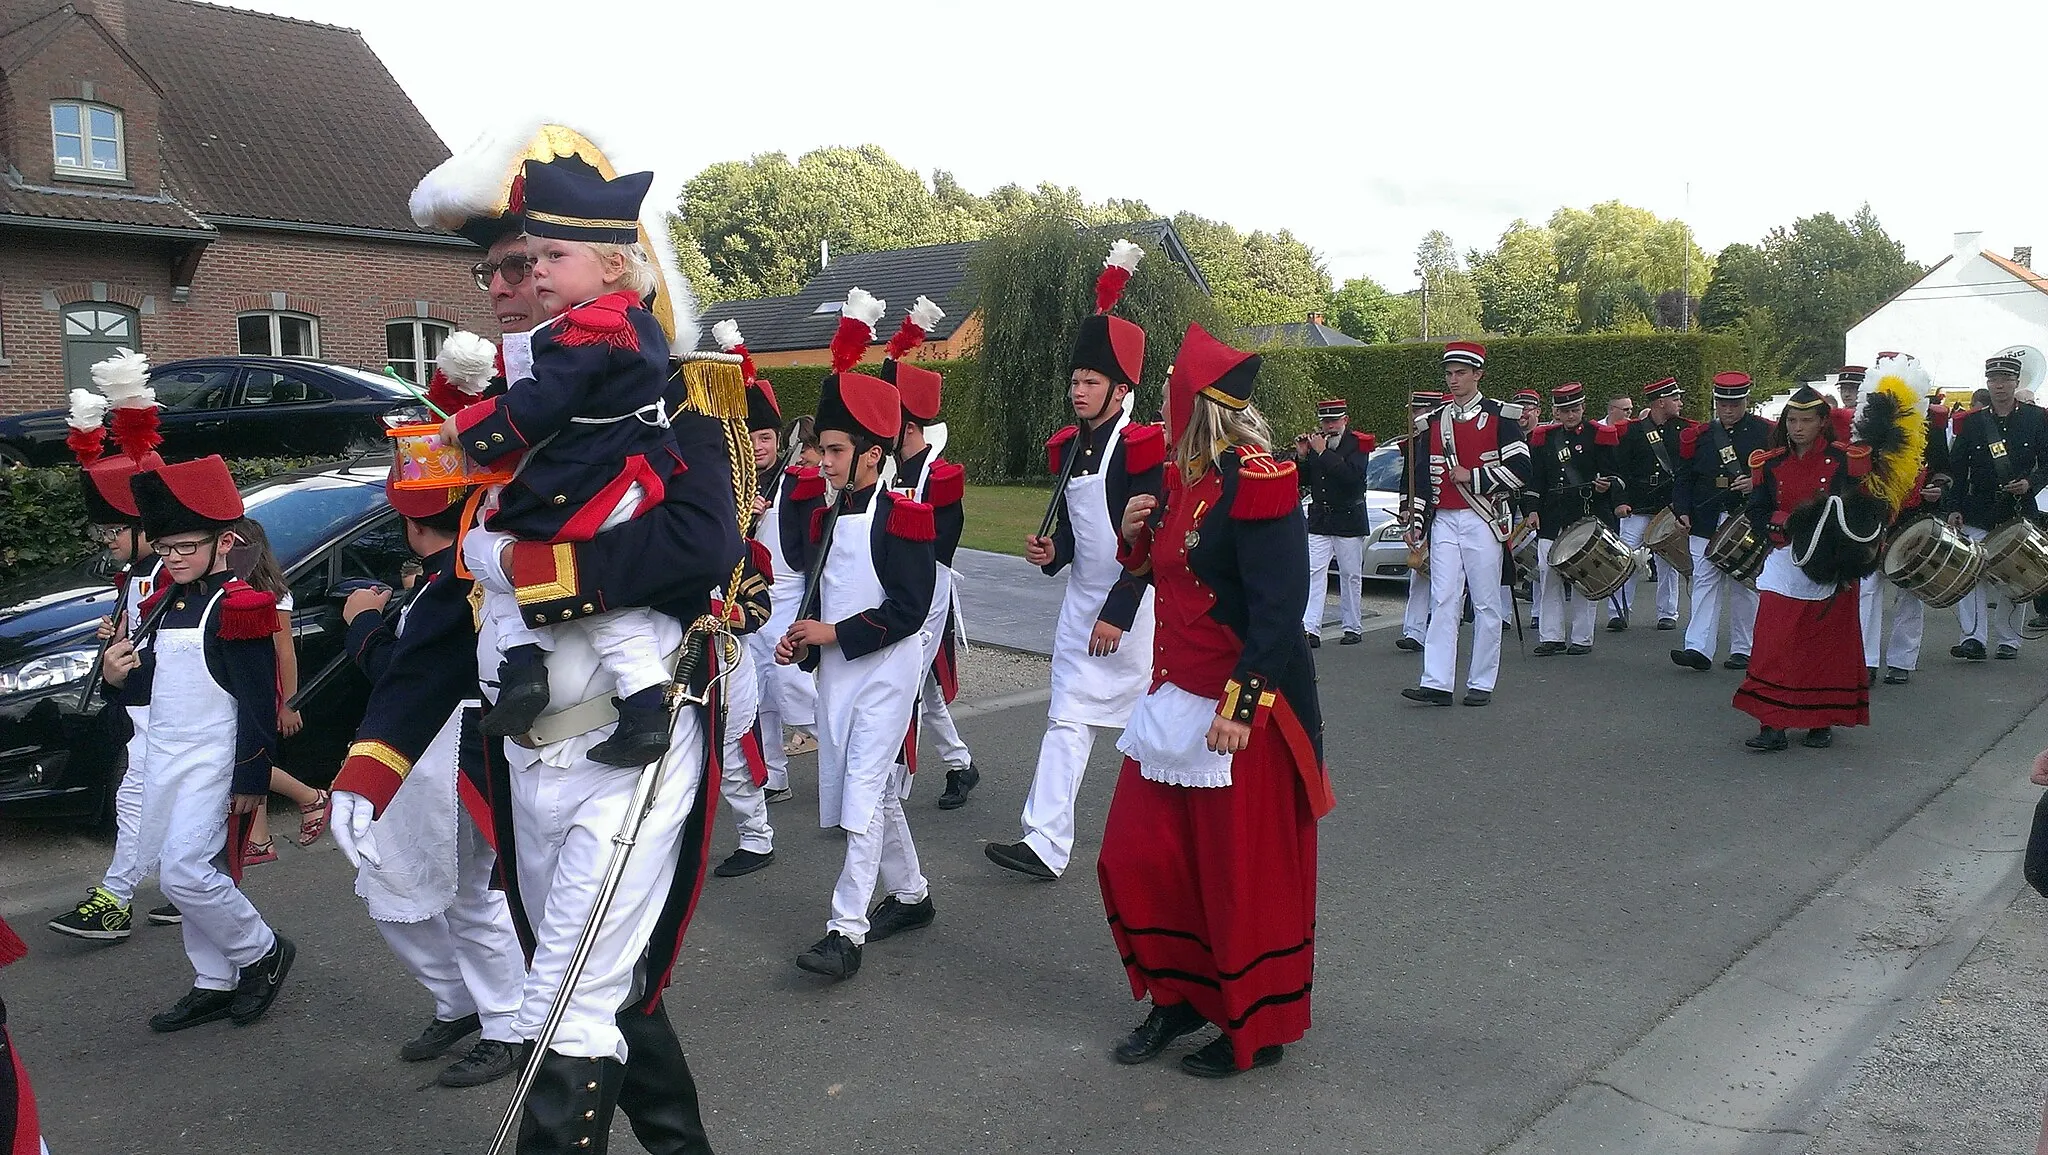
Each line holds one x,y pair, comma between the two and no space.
1713,486
1574,479
1333,471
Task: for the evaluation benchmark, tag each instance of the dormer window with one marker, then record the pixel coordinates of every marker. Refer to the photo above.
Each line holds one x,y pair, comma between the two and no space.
86,139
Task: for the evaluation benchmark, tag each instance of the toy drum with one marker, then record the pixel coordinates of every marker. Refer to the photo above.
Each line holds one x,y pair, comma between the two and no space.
425,462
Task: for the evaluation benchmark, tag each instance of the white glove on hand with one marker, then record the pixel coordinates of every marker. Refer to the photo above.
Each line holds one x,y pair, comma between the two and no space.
348,820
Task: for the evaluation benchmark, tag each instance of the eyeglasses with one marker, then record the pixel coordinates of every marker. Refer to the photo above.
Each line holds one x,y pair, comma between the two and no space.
514,267
177,548
105,534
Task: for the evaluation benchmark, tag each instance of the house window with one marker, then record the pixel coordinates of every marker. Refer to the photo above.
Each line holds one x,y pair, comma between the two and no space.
86,139
278,334
93,332
411,344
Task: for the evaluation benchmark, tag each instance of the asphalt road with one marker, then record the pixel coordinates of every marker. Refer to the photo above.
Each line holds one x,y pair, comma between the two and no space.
1510,897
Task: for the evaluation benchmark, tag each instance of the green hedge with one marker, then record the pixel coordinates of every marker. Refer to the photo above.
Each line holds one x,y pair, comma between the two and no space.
1375,379
42,515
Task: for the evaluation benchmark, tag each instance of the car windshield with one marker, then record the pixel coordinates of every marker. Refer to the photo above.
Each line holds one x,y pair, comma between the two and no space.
376,382
303,514
1383,470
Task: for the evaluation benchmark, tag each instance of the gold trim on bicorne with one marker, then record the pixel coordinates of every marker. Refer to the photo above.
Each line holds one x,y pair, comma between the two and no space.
378,752
579,222
564,584
1225,399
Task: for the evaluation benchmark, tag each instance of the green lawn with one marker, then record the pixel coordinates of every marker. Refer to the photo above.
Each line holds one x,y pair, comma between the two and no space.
999,516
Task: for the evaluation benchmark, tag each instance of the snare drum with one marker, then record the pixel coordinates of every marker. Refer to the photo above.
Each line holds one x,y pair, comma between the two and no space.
1736,550
1667,539
1933,562
2016,557
1591,557
426,462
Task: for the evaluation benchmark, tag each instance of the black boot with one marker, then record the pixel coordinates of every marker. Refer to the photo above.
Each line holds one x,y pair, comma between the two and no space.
641,735
522,693
658,1097
569,1111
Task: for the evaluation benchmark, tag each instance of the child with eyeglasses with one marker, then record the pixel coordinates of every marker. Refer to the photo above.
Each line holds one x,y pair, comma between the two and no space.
591,435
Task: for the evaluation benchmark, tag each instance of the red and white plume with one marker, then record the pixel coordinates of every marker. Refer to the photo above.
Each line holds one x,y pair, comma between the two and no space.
857,319
1116,273
87,420
124,378
727,334
917,325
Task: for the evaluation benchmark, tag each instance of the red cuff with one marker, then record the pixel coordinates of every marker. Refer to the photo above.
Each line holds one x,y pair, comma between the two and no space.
375,771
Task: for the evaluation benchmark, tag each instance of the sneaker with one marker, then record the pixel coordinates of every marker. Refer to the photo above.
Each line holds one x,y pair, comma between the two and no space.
262,981
196,1008
1768,740
1546,649
958,784
166,915
835,956
893,918
1350,638
1819,739
1969,649
1577,650
1894,676
1617,624
1667,623
439,1036
487,1062
99,916
2007,652
1408,645
743,861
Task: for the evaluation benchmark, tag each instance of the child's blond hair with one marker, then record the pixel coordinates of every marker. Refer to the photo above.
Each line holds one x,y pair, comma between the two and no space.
640,274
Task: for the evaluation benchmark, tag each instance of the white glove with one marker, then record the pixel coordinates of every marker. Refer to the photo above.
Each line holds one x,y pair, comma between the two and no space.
348,820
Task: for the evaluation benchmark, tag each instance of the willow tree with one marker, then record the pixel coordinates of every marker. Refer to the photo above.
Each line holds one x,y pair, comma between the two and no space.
1033,284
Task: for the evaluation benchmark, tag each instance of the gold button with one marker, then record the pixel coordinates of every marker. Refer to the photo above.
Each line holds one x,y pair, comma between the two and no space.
483,445
180,605
497,437
590,1114
588,608
566,615
583,1142
589,1087
561,499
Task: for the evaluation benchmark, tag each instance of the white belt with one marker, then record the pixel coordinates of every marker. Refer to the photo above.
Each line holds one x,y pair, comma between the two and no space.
581,718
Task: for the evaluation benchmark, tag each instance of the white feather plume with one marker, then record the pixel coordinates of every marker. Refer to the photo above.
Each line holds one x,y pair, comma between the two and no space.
472,182
864,307
1125,255
682,302
124,378
1901,365
468,360
88,410
926,314
727,334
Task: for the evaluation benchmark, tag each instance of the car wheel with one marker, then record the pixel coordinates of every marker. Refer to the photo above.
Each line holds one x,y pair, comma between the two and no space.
12,455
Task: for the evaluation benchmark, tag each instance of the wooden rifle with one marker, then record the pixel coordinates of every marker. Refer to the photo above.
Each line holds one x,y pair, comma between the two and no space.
92,676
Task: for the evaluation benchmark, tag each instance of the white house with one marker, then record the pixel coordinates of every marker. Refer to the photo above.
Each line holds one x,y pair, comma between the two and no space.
1971,304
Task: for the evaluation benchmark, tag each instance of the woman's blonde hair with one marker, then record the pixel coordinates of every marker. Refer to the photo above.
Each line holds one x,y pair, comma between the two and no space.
1213,429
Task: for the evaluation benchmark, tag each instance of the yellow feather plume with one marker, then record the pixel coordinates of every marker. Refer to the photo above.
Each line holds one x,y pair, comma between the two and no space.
1891,419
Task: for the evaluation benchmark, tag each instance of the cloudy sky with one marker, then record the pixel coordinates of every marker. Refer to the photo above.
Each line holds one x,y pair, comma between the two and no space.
1358,125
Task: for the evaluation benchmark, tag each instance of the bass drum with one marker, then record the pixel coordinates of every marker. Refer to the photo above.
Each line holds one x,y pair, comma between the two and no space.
1736,550
1667,539
1933,562
2016,557
1592,558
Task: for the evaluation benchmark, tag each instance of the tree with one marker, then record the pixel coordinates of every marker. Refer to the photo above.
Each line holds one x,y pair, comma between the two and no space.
1362,308
1258,278
1615,253
1449,305
1727,298
1518,287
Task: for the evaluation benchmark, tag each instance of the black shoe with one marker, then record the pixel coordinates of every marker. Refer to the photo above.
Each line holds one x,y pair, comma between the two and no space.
1161,1027
1478,697
773,795
1617,624
487,1062
1019,856
743,861
835,956
522,696
640,737
1427,696
1894,676
166,915
1218,1060
2038,622
1407,645
1969,649
1691,659
958,784
1576,650
440,1035
2007,653
893,918
1350,638
195,1008
570,1107
1736,662
1545,649
1768,740
1819,739
1667,623
1315,641
261,982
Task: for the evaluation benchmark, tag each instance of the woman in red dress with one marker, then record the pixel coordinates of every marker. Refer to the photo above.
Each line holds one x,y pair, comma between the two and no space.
1208,863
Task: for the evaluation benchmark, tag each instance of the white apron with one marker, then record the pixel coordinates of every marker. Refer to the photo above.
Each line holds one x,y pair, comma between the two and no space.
943,590
793,693
865,703
1096,691
415,875
190,746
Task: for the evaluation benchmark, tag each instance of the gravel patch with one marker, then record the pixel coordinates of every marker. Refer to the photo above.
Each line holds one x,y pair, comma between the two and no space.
986,672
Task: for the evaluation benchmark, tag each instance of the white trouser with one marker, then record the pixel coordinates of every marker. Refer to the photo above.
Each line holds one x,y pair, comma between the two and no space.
1870,615
768,714
935,719
1909,626
1415,619
623,638
567,810
1560,604
1350,555
1463,555
223,932
1984,619
1049,808
1703,632
736,779
883,854
126,870
1632,529
468,955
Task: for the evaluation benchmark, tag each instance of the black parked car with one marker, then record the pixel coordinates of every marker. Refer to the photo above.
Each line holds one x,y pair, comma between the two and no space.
330,528
241,407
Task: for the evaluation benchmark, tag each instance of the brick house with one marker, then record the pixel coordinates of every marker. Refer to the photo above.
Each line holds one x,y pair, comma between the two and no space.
190,180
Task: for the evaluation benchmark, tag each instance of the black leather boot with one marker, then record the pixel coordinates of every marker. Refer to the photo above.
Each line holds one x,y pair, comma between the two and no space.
569,1111
640,737
659,1097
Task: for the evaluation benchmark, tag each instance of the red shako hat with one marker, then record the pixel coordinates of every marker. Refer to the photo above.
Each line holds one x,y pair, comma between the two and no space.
856,402
186,497
921,388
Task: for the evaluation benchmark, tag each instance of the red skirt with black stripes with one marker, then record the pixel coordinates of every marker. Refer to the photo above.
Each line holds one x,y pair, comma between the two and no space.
1806,670
1211,894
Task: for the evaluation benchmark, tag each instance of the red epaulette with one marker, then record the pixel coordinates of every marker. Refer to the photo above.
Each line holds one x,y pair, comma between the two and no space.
1366,441
1540,434
1955,424
1053,445
763,562
912,520
1859,459
1267,487
1689,441
818,525
246,612
1605,434
810,482
1841,422
601,322
946,485
1759,458
1144,447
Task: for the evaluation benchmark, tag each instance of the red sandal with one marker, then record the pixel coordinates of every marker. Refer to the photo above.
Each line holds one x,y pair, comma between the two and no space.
313,819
